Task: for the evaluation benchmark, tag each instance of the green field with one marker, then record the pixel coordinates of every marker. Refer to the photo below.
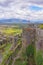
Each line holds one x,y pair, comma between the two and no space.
41,26
11,31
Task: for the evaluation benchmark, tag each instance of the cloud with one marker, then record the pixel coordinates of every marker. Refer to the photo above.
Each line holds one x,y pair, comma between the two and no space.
22,9
35,1
2,1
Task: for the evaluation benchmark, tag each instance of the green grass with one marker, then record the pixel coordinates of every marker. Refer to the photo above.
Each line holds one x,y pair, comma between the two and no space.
11,31
7,54
41,26
6,49
20,62
2,46
39,58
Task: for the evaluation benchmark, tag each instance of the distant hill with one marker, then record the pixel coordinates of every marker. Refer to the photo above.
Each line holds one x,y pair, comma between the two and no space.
10,21
37,22
15,20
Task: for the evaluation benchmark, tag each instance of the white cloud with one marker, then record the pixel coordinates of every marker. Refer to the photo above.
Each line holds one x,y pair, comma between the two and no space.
2,1
36,1
21,9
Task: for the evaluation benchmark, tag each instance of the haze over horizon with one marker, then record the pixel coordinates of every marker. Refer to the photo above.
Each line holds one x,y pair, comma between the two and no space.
24,10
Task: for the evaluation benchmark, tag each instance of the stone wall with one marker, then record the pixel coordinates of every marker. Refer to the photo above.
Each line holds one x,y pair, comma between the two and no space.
39,37
9,39
28,36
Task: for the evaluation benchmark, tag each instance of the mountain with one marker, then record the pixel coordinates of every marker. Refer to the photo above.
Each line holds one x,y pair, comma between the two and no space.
37,22
10,21
15,20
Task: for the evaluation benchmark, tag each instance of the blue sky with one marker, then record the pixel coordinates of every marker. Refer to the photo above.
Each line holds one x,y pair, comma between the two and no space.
36,8
22,9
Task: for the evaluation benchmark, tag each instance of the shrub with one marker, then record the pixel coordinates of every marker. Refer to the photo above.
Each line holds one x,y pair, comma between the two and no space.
39,59
30,50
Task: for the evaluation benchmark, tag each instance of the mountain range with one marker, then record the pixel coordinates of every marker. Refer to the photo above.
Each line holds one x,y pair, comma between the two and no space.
15,20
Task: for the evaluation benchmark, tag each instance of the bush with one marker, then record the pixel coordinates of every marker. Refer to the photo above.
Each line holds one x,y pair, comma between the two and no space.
39,59
20,62
30,50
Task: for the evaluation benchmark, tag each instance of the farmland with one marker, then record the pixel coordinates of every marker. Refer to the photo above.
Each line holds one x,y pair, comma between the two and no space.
41,26
12,31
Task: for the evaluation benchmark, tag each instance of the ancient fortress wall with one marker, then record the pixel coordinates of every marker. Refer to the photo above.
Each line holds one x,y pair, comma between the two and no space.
33,35
39,39
28,36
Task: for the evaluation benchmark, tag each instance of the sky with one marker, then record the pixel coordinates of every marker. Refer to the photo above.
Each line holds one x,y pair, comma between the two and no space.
22,9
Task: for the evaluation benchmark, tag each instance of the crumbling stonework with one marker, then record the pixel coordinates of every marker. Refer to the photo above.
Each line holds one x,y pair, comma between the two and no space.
39,41
28,36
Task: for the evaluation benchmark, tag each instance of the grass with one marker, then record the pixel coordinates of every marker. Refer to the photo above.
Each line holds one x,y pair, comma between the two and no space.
41,26
12,31
7,54
39,58
7,46
2,46
20,62
6,49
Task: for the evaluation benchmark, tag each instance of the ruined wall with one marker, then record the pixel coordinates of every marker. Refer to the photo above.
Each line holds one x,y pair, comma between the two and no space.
39,37
28,36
